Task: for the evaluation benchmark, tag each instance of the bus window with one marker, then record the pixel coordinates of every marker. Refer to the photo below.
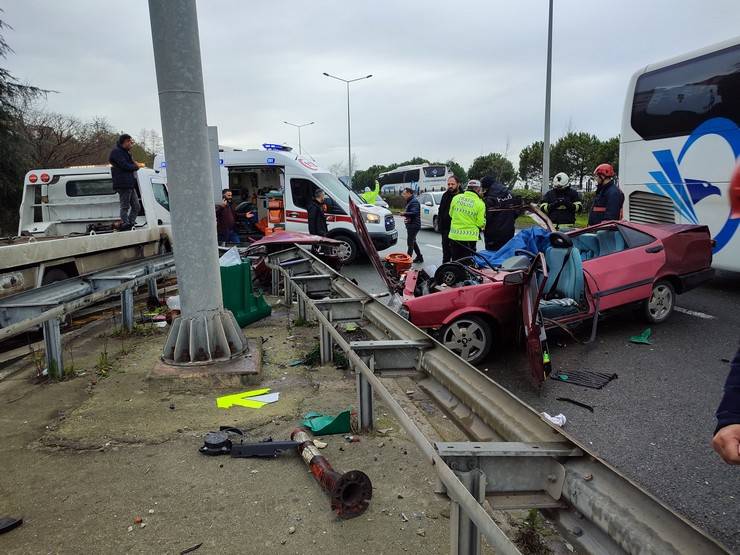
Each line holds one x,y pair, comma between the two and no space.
673,101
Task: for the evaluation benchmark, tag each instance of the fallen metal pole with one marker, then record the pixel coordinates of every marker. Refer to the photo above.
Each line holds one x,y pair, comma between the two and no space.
350,492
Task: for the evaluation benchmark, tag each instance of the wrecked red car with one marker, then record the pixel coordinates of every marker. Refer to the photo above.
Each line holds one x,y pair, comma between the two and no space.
472,304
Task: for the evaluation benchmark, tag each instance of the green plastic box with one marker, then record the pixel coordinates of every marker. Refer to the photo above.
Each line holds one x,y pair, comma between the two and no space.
238,295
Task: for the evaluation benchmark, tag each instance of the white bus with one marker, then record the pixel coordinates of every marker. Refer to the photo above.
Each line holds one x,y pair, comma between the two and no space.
420,178
680,142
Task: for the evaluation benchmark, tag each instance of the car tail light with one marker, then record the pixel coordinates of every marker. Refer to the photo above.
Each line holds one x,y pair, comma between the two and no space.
45,177
33,178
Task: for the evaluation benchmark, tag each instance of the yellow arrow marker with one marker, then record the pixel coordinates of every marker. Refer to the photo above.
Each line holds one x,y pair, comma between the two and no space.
242,399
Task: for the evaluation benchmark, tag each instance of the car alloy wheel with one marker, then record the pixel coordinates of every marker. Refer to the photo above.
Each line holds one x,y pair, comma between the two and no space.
346,250
468,337
660,304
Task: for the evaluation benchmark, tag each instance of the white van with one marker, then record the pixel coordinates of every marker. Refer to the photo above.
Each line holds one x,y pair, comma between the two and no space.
280,184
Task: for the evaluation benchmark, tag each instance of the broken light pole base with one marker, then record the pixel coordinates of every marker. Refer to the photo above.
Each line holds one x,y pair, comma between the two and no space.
205,337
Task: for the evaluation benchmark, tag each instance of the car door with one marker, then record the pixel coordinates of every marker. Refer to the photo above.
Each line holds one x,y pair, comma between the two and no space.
296,207
425,200
627,274
534,330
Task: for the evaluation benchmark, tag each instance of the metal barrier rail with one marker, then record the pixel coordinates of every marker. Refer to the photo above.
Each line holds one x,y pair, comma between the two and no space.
30,309
520,462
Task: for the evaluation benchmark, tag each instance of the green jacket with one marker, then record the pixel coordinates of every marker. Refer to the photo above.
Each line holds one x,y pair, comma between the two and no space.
371,196
468,215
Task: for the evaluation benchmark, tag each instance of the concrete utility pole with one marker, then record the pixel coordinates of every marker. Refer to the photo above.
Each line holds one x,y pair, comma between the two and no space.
204,331
215,157
546,141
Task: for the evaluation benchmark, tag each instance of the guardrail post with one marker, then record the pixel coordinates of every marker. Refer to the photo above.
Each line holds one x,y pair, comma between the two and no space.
275,282
464,534
287,292
151,285
127,309
301,308
53,348
326,343
365,398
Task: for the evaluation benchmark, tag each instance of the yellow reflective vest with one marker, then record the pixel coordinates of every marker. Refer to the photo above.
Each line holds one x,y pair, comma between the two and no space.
468,215
371,196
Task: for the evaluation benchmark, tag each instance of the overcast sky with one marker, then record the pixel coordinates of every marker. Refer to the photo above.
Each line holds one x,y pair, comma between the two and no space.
450,79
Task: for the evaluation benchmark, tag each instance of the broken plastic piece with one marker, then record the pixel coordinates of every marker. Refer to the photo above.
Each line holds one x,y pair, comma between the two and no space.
8,523
324,424
559,420
643,338
244,399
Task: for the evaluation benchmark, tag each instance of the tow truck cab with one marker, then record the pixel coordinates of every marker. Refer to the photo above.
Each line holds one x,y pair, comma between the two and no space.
279,185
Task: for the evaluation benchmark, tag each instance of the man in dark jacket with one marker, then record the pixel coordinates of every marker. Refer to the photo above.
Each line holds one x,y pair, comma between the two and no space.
316,216
122,171
609,199
500,213
412,215
226,219
443,216
726,439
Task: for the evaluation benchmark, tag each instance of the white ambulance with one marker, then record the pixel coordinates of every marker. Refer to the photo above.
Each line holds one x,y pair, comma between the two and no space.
279,184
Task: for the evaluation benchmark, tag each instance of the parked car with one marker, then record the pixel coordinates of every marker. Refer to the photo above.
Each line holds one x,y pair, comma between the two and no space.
472,304
430,209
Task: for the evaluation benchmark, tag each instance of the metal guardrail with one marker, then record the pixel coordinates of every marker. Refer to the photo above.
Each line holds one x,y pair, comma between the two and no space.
520,461
46,306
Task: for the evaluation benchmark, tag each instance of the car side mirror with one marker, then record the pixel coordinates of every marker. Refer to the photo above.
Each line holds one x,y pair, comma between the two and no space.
428,203
514,278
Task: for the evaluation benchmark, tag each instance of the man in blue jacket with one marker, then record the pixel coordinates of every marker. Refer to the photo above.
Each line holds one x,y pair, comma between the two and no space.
412,215
123,170
609,199
726,439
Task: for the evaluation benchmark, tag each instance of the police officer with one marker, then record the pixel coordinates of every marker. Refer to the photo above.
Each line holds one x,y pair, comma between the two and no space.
500,214
467,219
370,196
609,199
443,216
561,202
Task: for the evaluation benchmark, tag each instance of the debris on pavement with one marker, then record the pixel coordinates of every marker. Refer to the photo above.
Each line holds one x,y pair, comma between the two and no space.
585,378
324,424
350,492
191,549
352,439
138,520
574,402
642,338
296,362
559,420
320,444
221,443
254,399
351,327
8,523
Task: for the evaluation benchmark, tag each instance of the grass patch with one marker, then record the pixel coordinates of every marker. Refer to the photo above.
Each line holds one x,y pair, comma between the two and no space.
526,221
528,537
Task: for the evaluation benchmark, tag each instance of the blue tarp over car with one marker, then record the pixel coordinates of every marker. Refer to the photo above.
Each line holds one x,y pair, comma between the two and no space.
533,239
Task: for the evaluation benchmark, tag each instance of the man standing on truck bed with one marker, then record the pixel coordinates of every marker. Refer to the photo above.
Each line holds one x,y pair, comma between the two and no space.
122,171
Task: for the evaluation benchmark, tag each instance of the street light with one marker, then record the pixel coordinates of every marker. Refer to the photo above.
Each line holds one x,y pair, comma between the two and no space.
298,126
349,133
546,142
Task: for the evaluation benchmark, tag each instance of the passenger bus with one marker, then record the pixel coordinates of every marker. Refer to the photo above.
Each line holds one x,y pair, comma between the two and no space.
680,143
420,178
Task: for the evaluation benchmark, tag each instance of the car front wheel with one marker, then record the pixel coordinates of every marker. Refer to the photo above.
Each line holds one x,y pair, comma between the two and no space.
347,251
435,224
661,303
469,337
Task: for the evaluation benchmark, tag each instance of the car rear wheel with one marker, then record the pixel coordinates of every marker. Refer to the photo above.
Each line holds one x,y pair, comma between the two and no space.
435,224
469,337
347,251
660,305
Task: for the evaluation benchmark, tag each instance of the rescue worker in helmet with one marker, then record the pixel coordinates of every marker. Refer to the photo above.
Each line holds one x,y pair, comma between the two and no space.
561,202
371,195
609,199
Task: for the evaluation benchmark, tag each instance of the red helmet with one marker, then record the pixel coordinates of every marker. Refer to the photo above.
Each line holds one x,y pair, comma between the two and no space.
604,170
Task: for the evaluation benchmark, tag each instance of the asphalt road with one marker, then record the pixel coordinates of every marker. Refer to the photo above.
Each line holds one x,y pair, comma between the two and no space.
655,422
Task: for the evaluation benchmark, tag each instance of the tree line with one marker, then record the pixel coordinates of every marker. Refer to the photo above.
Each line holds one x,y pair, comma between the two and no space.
575,153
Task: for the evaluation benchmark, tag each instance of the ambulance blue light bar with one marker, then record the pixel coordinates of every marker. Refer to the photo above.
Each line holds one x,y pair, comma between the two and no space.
271,146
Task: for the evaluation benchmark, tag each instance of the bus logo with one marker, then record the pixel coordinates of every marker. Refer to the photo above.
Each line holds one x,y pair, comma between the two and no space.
687,193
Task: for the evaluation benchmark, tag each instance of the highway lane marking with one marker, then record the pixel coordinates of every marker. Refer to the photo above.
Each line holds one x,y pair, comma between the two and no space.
433,246
701,315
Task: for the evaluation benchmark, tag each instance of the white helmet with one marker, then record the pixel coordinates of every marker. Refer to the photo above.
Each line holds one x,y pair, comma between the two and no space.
561,180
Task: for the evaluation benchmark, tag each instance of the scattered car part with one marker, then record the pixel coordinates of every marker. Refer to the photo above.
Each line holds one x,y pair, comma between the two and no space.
585,378
642,338
223,442
8,523
350,492
574,402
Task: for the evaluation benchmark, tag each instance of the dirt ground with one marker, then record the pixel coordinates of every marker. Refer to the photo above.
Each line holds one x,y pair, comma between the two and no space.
81,459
